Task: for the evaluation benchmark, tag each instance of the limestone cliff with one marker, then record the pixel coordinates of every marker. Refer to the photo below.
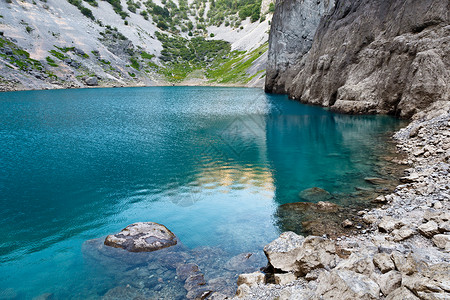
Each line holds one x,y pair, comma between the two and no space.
367,56
291,36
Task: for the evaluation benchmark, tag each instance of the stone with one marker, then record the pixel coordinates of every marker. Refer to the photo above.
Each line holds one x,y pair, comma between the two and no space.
282,252
186,270
376,180
91,81
346,284
314,194
405,264
380,199
314,274
369,219
123,292
142,237
244,262
428,229
430,283
194,281
442,241
315,252
243,291
383,262
388,224
284,278
390,281
199,294
444,227
358,263
347,223
402,234
251,279
401,293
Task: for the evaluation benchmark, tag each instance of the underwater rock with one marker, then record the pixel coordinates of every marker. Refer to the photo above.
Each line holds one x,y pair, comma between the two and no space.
315,194
142,237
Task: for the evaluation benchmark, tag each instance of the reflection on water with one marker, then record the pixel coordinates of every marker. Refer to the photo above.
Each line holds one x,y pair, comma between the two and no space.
212,164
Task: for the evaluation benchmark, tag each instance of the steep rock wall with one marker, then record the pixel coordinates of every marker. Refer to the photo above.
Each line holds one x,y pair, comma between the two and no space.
376,56
291,35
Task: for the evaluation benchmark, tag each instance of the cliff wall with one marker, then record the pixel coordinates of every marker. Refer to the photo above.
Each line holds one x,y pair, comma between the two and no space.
367,56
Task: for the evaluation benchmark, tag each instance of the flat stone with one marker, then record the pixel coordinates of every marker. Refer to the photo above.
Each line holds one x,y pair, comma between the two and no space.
376,180
284,278
347,223
428,229
315,252
186,270
401,293
442,241
388,224
315,194
402,234
444,227
142,237
390,281
251,279
384,262
358,263
405,264
194,281
345,284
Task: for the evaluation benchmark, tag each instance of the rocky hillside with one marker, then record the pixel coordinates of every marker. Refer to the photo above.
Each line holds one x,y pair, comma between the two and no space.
367,56
78,43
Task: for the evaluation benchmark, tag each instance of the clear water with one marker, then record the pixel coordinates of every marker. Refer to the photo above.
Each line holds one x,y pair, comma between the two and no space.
212,164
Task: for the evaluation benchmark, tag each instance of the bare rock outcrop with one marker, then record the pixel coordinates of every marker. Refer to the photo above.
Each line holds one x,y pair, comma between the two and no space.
142,237
367,56
291,36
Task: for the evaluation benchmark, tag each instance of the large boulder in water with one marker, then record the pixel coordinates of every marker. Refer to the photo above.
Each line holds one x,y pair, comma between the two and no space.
315,194
142,237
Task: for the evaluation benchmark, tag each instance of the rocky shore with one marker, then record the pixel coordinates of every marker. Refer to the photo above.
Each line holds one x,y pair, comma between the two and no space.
404,253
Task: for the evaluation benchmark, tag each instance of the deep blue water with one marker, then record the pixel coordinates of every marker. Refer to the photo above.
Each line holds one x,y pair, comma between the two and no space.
212,164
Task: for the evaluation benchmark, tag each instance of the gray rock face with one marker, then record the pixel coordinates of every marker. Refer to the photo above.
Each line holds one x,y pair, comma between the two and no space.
344,284
142,237
283,251
91,81
368,56
291,35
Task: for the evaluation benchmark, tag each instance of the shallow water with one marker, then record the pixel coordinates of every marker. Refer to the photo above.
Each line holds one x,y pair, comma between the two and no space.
212,164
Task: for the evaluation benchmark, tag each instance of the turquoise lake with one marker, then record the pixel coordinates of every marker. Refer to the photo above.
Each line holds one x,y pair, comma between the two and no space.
212,164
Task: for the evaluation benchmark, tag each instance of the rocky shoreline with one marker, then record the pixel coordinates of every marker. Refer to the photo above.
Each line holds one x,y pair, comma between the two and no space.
405,252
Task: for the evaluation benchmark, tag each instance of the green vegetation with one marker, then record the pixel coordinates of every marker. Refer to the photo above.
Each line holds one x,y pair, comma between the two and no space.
145,55
118,8
58,55
135,64
64,49
234,70
183,57
51,62
85,11
19,57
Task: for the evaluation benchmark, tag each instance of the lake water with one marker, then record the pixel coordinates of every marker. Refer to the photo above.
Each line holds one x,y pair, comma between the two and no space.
211,164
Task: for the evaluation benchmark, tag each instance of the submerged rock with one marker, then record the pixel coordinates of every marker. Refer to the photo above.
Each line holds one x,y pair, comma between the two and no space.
142,237
315,194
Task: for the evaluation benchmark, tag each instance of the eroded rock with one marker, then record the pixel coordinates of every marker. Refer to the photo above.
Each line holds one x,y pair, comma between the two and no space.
345,284
142,237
